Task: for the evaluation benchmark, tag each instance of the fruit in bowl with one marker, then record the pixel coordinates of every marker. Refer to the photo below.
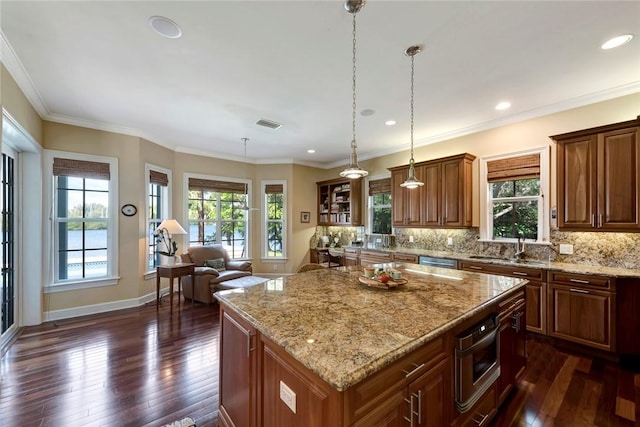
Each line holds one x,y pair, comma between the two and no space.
384,277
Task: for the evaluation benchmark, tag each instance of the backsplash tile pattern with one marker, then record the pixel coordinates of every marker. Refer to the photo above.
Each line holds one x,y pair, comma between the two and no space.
605,249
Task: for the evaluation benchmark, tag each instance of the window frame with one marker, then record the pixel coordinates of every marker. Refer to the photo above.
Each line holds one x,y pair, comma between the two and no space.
53,284
218,220
165,212
370,206
265,220
486,205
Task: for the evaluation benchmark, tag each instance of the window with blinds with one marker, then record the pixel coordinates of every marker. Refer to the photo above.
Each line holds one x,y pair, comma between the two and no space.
85,221
219,213
274,219
380,206
158,208
515,196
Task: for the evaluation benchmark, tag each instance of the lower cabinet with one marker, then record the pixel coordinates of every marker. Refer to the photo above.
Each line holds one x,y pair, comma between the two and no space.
482,412
237,385
375,257
351,256
581,309
513,344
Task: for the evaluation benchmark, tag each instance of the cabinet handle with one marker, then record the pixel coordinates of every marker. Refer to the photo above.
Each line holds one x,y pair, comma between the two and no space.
516,321
519,273
474,267
580,291
419,407
407,374
584,282
593,220
482,420
600,221
410,402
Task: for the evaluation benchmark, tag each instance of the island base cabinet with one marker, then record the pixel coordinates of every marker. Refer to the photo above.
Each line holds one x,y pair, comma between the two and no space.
291,395
482,412
237,385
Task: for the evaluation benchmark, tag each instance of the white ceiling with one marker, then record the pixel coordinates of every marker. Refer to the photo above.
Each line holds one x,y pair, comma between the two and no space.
99,64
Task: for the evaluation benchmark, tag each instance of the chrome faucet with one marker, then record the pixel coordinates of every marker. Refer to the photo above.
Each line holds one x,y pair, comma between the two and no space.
519,248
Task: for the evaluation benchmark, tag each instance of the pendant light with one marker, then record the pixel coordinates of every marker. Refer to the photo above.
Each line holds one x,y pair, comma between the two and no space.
412,181
245,203
353,171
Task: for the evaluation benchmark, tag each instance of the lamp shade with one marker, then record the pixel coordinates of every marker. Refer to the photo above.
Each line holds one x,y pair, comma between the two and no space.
172,226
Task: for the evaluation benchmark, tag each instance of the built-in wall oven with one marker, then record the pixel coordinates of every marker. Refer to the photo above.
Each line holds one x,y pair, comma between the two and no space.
477,366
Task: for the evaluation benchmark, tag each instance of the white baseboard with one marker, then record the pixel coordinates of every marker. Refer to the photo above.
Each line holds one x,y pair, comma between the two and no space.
68,313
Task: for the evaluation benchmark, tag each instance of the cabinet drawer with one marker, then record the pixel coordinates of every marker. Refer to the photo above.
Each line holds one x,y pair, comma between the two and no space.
372,391
351,252
481,413
410,258
505,270
573,279
374,257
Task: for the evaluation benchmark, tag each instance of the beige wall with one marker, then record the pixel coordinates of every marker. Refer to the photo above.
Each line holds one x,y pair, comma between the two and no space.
14,101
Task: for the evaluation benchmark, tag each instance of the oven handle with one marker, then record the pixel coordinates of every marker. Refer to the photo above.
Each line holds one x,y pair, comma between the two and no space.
484,342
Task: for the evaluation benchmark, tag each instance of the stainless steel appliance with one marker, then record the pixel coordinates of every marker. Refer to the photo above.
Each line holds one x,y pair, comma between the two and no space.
477,366
439,262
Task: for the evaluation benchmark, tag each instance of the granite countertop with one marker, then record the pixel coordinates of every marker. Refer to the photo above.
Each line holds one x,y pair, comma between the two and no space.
345,331
551,266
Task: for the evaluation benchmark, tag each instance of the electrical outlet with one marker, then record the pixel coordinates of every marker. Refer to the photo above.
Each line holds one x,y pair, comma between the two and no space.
410,239
449,241
288,396
566,249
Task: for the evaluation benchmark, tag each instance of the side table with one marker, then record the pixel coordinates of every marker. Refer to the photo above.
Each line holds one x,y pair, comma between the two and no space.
171,271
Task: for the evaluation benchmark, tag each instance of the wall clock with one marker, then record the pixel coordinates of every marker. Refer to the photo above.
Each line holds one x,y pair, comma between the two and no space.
129,210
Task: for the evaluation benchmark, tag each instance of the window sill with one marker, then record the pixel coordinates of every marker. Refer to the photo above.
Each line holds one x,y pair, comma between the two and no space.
85,284
514,241
150,275
274,260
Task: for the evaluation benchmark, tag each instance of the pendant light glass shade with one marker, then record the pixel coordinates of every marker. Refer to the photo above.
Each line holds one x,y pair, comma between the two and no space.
353,170
412,181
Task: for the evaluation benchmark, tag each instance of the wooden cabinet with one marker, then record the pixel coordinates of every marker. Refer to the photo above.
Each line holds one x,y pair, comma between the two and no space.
368,257
406,258
351,256
237,379
536,289
581,309
482,412
513,344
445,199
340,202
599,178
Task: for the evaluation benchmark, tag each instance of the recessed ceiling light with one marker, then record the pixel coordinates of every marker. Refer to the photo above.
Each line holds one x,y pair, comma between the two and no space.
617,41
311,151
390,122
503,105
165,27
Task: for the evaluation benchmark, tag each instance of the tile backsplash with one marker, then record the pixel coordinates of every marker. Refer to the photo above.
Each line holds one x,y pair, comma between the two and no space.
605,249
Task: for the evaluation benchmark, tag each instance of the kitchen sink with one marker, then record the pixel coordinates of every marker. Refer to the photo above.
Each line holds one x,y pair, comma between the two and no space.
489,258
527,262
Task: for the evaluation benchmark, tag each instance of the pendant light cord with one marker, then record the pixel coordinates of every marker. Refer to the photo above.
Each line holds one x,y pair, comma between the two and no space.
353,87
412,161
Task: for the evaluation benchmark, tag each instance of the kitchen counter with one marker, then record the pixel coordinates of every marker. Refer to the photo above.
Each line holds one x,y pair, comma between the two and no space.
551,266
344,331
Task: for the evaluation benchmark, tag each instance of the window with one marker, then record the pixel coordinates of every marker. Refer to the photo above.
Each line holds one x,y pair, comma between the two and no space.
380,206
84,222
218,214
515,204
274,219
157,208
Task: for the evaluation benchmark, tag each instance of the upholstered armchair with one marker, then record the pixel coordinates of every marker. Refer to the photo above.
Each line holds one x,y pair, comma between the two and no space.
212,266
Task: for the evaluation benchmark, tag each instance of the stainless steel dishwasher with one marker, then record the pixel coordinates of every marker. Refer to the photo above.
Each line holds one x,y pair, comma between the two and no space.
439,262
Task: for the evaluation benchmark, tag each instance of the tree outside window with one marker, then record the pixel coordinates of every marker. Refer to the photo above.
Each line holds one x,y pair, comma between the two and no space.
274,220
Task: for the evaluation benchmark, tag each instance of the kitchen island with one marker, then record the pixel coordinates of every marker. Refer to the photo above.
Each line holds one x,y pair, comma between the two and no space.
322,349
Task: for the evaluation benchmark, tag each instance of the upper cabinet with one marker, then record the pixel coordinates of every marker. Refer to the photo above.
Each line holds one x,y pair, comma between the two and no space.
599,178
340,202
445,199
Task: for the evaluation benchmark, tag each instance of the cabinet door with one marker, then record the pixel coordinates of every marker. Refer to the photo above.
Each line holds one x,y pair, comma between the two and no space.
452,193
388,414
432,195
618,180
398,211
237,357
577,183
536,307
581,315
429,394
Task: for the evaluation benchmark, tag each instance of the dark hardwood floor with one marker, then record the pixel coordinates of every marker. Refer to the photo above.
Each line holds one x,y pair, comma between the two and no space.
141,368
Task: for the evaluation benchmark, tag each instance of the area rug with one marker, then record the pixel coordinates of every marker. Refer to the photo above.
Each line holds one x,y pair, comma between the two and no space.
185,422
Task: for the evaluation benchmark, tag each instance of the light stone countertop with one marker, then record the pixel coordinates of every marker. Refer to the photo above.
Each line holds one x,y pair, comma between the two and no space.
631,273
345,331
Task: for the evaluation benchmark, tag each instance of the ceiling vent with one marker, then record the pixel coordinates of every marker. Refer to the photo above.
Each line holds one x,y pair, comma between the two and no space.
269,124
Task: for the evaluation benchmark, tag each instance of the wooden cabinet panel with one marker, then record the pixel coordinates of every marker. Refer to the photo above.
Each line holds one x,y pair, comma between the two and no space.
408,258
482,412
444,200
580,315
512,334
375,257
536,307
237,384
390,413
351,256
340,202
429,393
599,178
